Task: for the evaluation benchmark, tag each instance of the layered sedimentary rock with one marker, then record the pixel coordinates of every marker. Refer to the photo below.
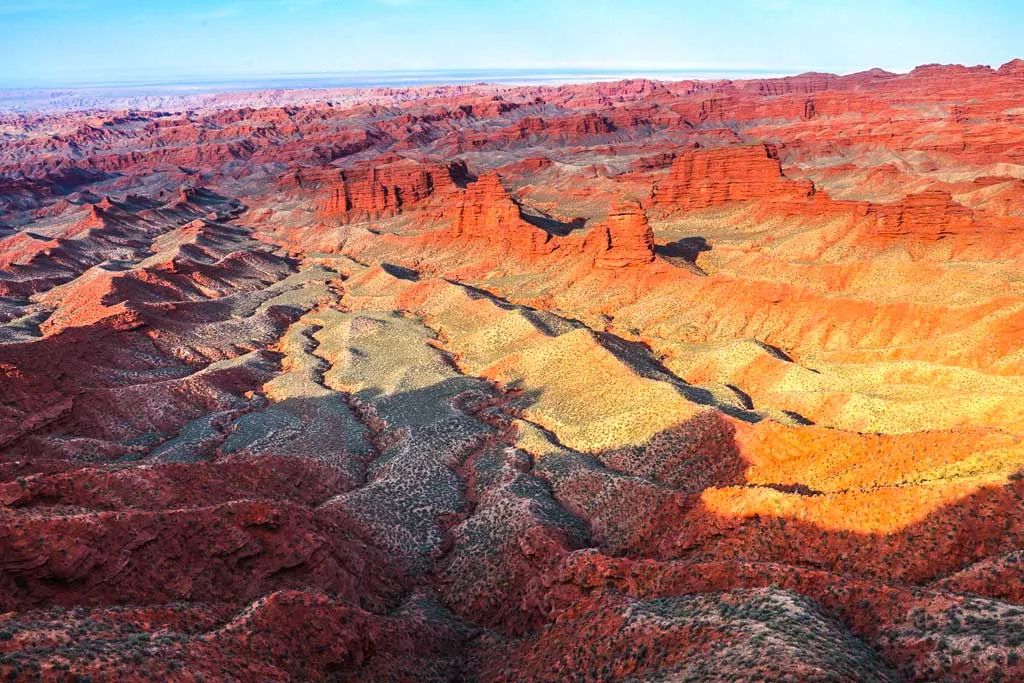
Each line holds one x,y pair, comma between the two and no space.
590,124
711,177
616,381
383,187
930,215
625,238
486,212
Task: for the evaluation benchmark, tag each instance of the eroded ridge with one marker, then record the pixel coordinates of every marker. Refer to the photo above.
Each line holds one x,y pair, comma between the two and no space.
628,381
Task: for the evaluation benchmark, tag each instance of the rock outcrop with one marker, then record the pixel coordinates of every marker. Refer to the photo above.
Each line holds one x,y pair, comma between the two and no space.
704,178
486,212
384,187
1013,68
625,239
929,216
286,394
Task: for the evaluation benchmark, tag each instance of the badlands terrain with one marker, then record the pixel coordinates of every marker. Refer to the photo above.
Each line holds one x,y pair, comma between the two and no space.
619,381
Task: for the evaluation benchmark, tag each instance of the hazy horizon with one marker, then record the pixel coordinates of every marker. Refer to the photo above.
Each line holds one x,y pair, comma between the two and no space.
397,78
83,43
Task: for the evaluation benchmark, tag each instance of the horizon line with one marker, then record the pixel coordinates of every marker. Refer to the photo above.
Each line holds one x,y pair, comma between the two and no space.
202,79
448,76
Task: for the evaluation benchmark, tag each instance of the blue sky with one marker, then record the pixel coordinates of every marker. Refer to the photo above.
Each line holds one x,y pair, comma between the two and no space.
73,41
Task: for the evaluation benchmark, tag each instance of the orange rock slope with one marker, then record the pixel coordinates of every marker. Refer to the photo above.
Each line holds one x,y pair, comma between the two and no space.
621,381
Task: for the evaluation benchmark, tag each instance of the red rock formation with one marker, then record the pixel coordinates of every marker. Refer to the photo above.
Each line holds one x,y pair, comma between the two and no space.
573,126
390,461
486,212
806,83
625,239
1013,68
710,177
703,179
527,166
94,217
383,187
928,216
654,161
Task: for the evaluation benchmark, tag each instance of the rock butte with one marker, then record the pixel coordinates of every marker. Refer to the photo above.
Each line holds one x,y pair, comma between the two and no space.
648,381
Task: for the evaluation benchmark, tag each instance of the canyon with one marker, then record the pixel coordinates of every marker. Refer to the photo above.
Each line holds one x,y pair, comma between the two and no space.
634,380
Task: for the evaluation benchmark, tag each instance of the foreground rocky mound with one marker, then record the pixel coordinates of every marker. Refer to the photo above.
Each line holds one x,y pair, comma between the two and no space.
631,381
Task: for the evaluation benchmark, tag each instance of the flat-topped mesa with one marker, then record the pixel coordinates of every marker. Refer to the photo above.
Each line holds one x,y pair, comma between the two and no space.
625,239
1014,67
301,178
930,215
488,212
945,71
384,187
577,125
704,178
806,83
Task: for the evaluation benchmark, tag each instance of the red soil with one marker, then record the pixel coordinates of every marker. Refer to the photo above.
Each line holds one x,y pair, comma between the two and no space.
697,380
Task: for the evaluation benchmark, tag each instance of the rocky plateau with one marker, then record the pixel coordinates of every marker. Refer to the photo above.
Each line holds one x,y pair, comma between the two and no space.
698,380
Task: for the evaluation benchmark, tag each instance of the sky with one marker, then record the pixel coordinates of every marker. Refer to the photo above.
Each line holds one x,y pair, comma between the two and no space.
68,42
